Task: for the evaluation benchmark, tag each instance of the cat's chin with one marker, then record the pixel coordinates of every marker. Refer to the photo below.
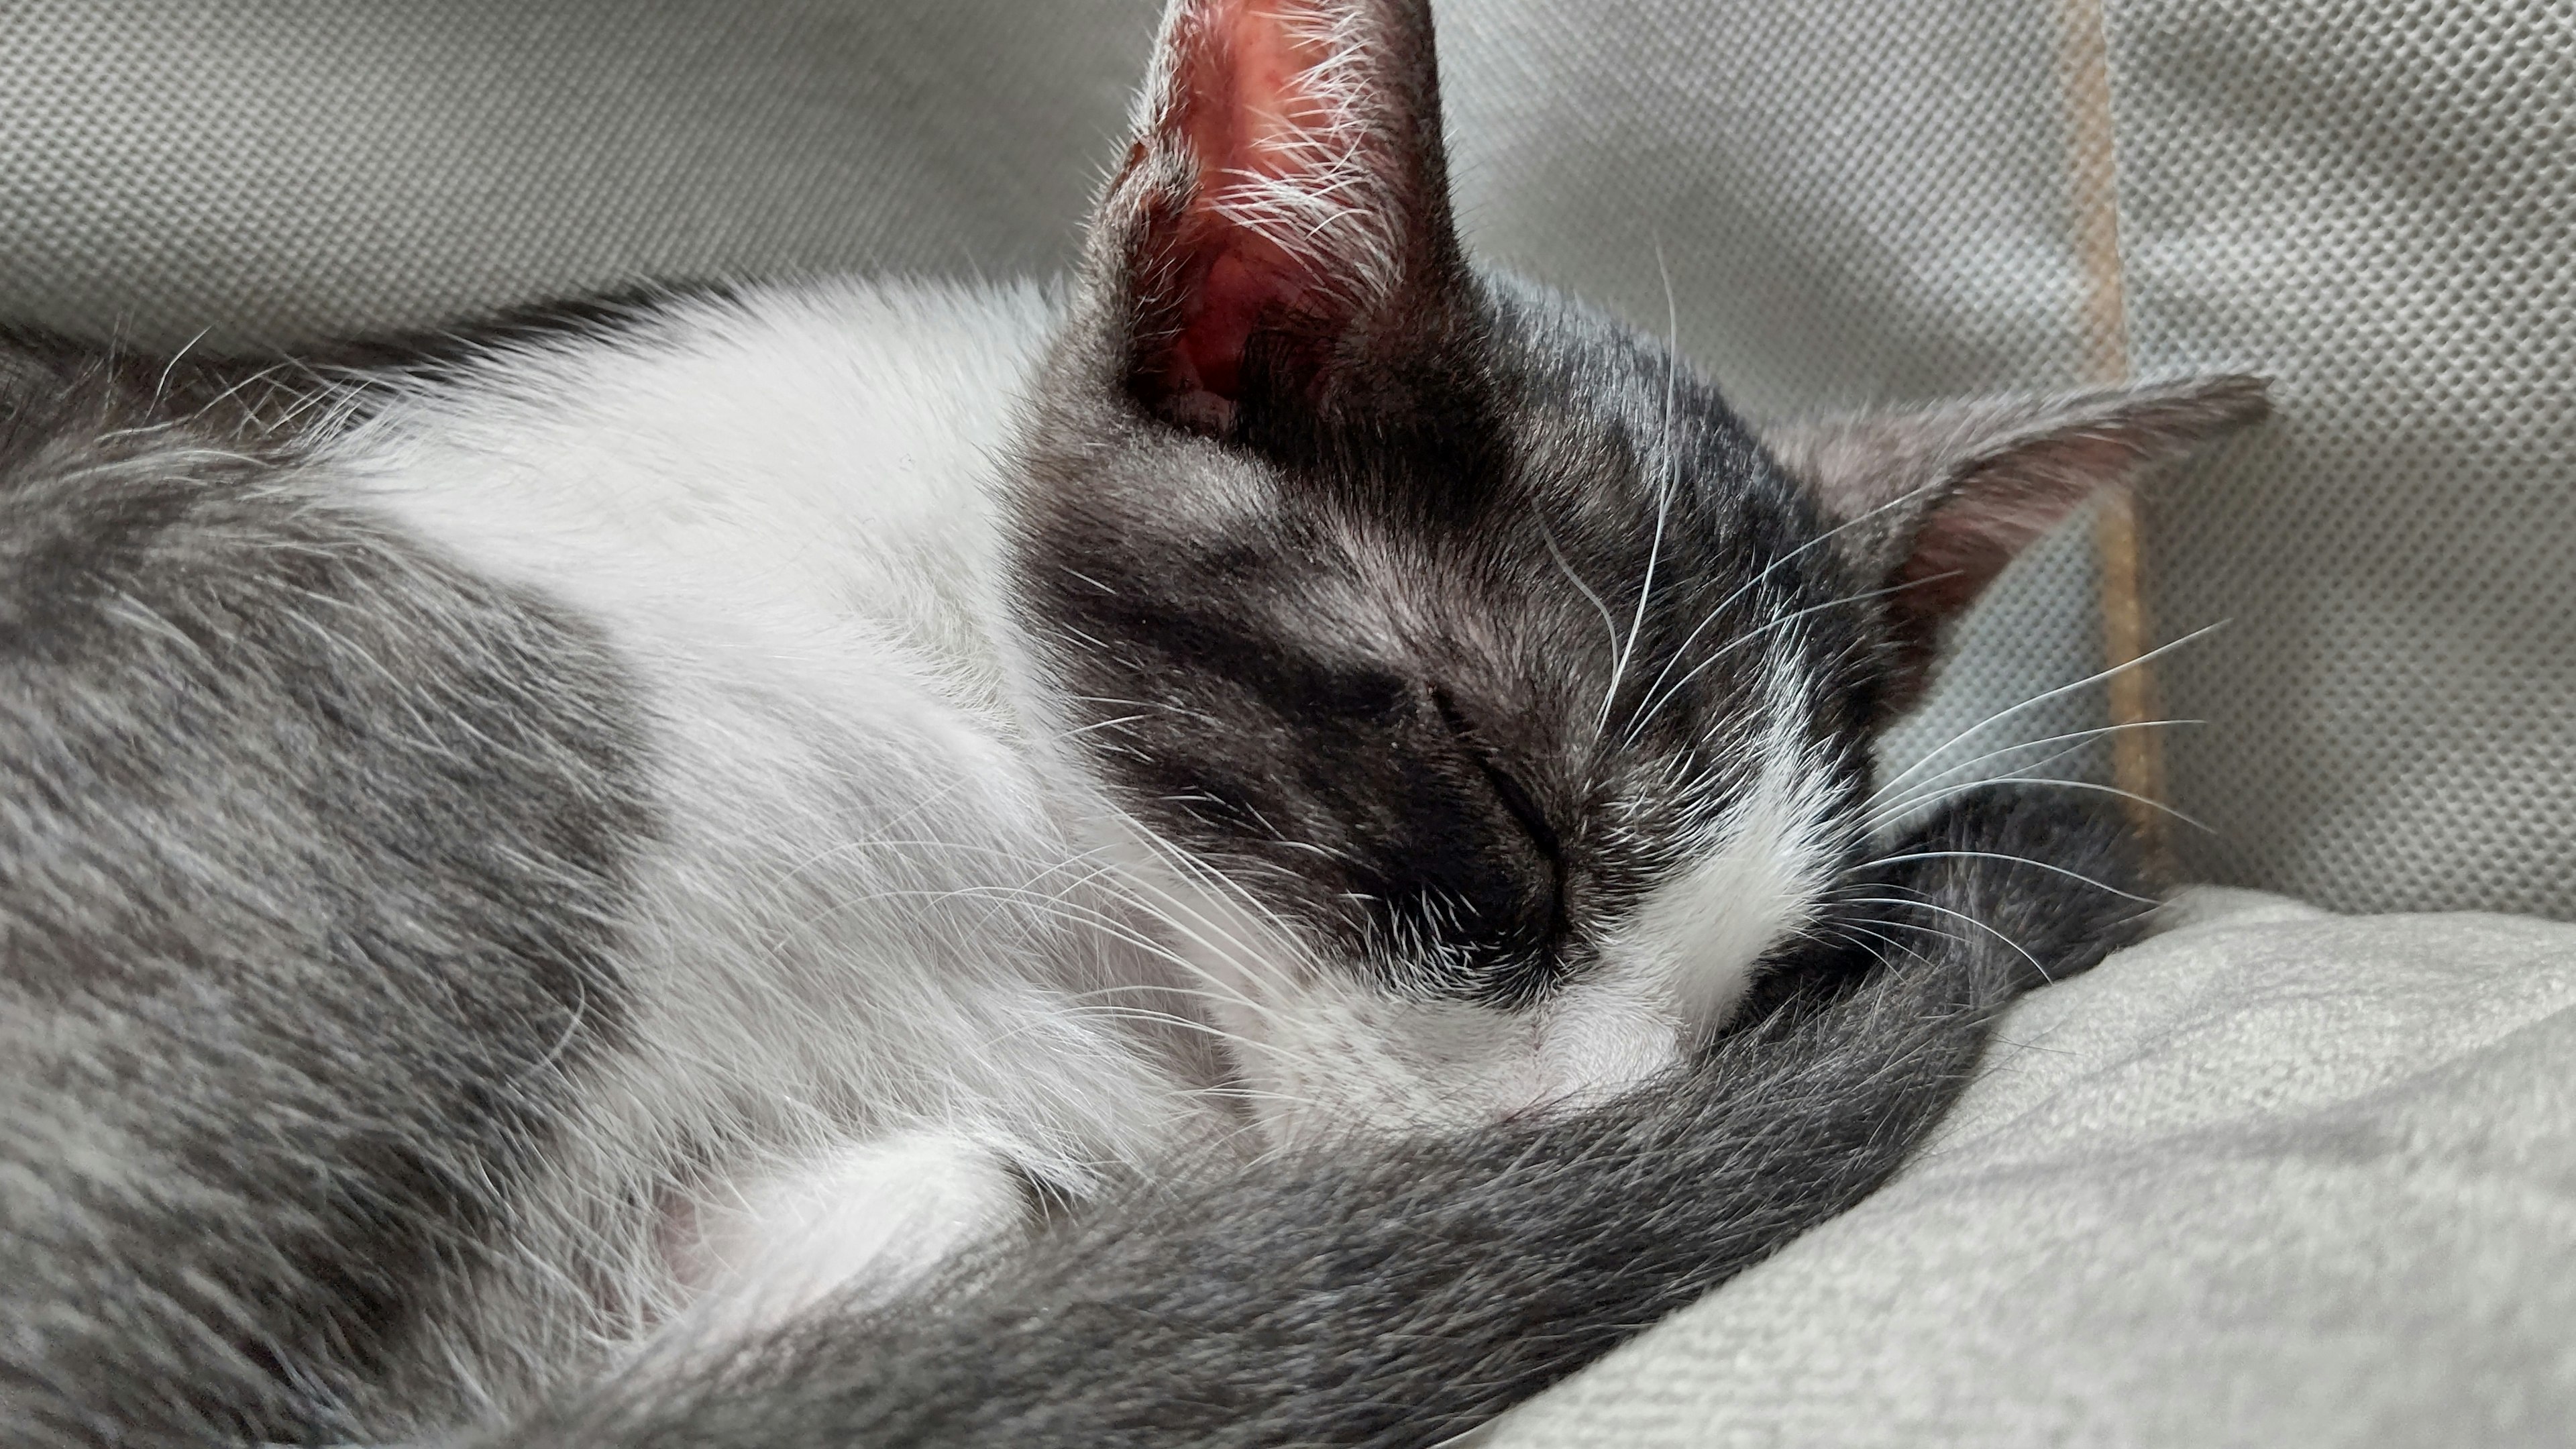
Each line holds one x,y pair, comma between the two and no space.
1346,1057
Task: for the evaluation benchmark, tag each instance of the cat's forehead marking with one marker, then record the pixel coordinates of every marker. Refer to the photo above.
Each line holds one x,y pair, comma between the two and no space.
1435,606
1193,492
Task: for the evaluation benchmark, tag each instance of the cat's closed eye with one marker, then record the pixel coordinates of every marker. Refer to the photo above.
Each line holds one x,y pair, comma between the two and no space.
1519,804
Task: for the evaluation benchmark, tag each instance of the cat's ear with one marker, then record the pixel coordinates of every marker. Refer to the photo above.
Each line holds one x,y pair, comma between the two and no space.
1937,501
1280,236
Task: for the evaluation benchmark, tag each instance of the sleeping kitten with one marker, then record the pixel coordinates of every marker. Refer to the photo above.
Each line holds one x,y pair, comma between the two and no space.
1278,843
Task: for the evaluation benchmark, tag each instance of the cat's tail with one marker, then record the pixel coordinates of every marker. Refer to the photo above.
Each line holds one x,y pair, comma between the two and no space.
1406,1292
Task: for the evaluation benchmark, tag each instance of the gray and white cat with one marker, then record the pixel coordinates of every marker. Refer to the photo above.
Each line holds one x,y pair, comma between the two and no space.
1274,845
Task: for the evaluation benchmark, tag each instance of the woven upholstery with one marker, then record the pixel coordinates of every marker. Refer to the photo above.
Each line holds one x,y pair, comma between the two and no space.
2376,202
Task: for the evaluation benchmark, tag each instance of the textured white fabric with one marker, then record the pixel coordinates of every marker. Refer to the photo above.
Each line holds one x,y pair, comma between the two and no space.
231,171
1861,200
2272,1178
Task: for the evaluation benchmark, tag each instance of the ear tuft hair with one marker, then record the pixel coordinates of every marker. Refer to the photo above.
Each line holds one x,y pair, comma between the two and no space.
1285,196
1938,500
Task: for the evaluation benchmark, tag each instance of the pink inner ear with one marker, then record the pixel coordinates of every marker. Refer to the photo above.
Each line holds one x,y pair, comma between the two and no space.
1956,554
1246,112
1995,512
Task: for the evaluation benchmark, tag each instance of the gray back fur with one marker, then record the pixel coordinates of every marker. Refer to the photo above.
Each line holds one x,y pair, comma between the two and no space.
312,853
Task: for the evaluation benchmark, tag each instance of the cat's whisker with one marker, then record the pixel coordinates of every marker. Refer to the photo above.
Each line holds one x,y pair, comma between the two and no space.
786,936
1227,948
881,836
1857,935
1885,817
1646,710
2016,859
1162,989
1234,1093
1896,810
1925,905
159,462
1103,724
1609,622
161,385
1208,874
2076,736
1166,706
1759,578
2059,692
1221,992
1663,495
1891,814
865,844
1225,991
1053,906
1165,1018
253,379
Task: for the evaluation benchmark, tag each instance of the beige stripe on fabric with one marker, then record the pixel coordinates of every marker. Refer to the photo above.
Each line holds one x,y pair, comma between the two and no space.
2137,754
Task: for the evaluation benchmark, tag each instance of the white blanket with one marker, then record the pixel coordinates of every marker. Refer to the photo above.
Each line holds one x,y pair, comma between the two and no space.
2272,1178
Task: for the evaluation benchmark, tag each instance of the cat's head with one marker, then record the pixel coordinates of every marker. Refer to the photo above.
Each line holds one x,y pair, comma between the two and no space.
1475,699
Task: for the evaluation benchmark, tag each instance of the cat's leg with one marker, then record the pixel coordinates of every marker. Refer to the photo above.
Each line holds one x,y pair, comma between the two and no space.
861,1222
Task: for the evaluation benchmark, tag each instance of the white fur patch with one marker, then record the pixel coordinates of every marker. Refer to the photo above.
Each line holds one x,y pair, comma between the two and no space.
1347,1054
1760,867
862,1224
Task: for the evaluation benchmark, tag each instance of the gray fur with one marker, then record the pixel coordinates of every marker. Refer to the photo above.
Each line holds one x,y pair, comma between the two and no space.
312,853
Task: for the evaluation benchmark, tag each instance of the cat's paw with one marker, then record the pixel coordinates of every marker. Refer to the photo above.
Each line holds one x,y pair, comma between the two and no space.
862,1222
